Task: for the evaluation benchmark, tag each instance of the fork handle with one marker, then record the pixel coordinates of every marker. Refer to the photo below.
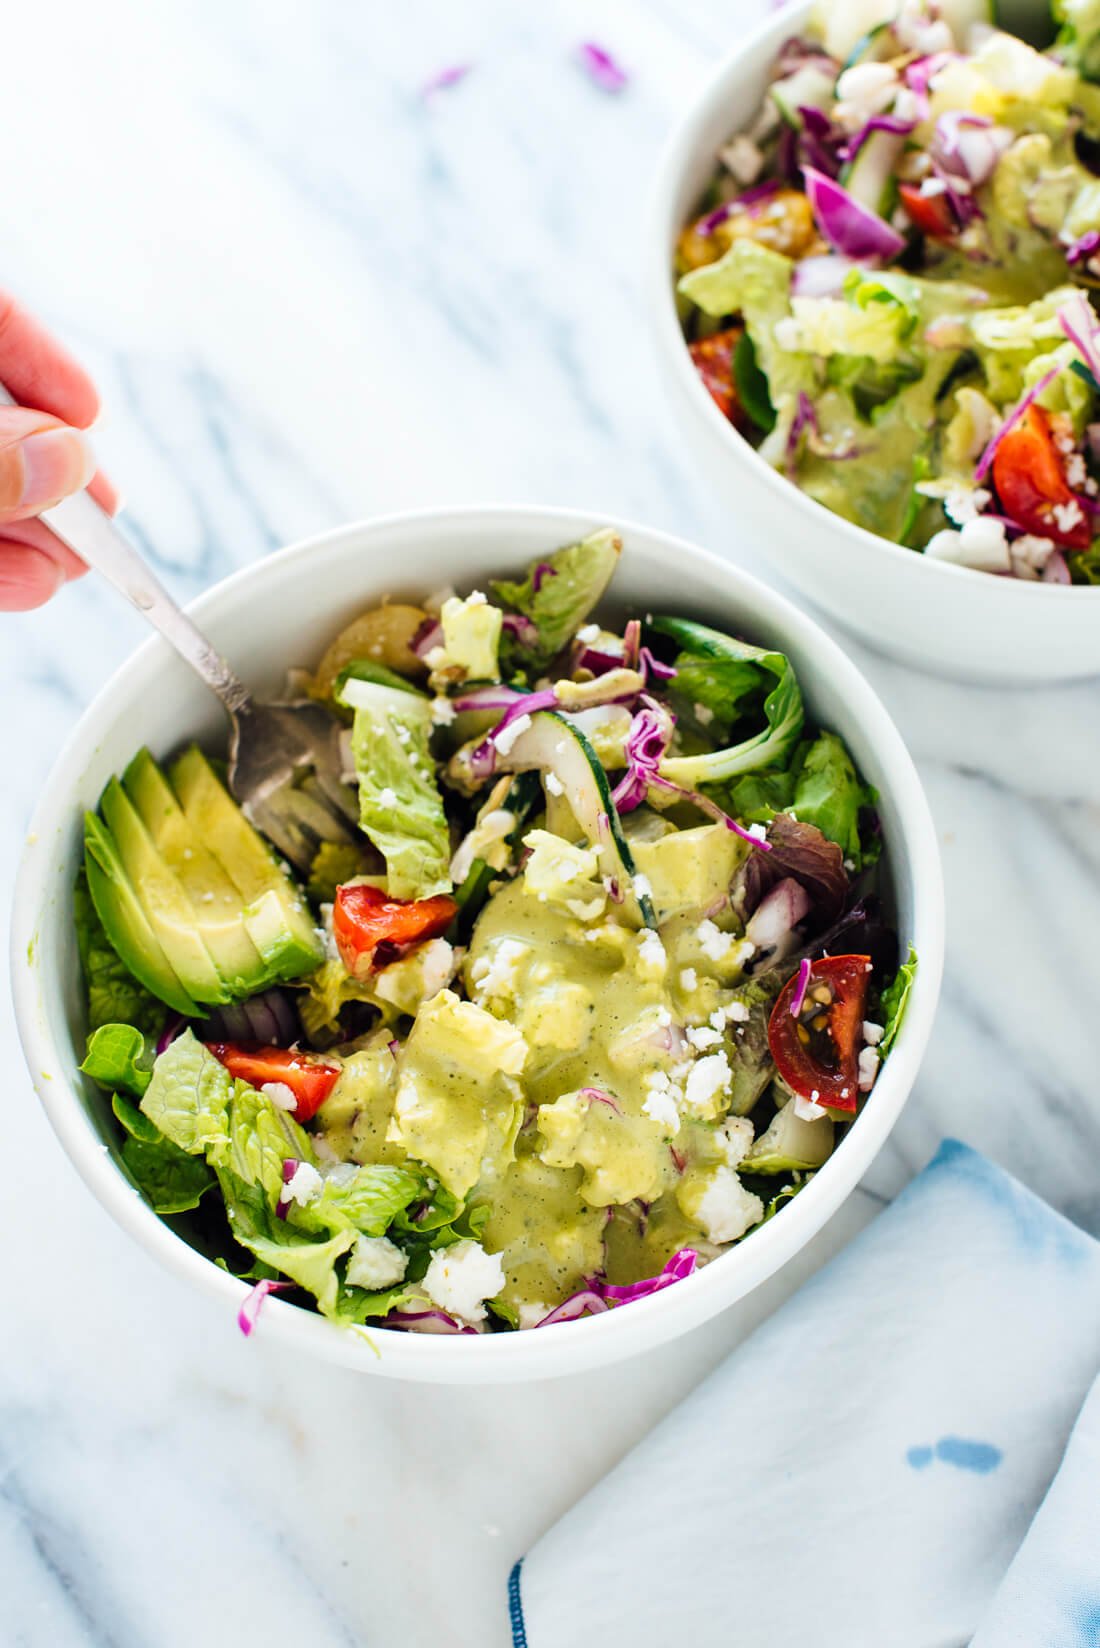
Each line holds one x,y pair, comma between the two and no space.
91,533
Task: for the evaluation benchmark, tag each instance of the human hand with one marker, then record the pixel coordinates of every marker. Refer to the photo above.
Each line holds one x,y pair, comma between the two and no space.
43,457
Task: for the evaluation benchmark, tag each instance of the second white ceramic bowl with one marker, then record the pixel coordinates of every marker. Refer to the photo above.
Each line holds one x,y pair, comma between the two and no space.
282,611
941,618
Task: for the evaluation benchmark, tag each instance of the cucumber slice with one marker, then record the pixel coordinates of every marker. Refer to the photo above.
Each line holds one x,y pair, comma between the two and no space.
552,744
870,177
806,88
873,47
848,23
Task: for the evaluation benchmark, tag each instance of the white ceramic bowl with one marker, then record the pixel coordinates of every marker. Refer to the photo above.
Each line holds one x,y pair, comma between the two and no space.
941,618
282,611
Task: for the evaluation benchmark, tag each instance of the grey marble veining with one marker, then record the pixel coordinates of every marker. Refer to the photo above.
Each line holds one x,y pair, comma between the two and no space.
309,293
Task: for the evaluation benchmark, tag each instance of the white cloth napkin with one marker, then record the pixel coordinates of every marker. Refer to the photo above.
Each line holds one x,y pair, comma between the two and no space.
863,1471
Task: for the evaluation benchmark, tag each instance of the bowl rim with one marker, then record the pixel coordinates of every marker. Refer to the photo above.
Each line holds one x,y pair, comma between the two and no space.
681,148
606,1337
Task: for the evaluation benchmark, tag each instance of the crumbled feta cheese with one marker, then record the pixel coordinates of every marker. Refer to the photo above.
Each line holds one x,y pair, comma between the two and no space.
759,832
651,952
1067,516
806,1110
642,887
1076,472
726,1209
279,1093
1030,554
869,1062
436,657
714,944
735,1013
702,714
554,784
460,1278
387,798
588,633
689,978
375,1263
965,503
530,1315
933,186
864,90
709,1077
703,1038
504,740
980,544
743,158
304,1185
660,1106
442,712
496,974
872,1033
734,1139
477,598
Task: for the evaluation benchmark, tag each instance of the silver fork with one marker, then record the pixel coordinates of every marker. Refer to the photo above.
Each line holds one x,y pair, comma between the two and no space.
285,764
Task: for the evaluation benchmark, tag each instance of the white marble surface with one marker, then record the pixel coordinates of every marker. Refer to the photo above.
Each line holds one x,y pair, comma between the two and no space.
309,294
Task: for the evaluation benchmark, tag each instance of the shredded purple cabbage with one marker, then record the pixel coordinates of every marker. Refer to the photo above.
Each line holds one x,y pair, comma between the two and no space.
1083,247
542,571
820,276
850,228
424,1321
525,630
646,744
596,1095
653,666
597,1296
744,202
601,67
1080,328
483,759
878,123
249,1312
799,997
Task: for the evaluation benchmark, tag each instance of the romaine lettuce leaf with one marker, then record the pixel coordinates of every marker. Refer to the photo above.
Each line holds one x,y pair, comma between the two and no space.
830,794
188,1097
366,1201
895,999
782,707
307,1260
119,1058
557,595
114,995
400,806
170,1180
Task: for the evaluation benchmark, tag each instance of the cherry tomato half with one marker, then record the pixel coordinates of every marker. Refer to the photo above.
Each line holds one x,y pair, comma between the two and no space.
363,917
931,214
815,1052
713,358
1027,474
311,1081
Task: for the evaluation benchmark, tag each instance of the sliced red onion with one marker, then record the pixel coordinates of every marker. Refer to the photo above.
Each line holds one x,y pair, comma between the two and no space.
1078,322
424,1321
1056,570
444,78
968,145
597,661
799,997
681,1264
249,1312
778,914
1083,247
744,202
849,227
891,123
981,469
173,1027
601,67
539,576
596,1095
290,1168
820,276
427,637
269,1019
488,698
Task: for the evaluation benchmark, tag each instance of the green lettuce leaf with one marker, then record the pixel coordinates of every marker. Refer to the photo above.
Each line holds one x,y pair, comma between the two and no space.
307,1260
119,1058
569,584
367,1201
728,659
895,999
830,794
188,1097
170,1180
400,807
334,863
114,994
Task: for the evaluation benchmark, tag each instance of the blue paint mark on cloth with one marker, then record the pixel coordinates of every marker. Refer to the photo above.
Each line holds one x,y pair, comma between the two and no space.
979,1457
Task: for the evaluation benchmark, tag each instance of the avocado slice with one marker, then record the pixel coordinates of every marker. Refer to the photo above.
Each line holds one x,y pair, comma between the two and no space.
166,904
219,916
276,916
125,922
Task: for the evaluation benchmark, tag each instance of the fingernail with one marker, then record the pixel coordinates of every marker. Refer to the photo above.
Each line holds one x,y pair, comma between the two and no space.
55,463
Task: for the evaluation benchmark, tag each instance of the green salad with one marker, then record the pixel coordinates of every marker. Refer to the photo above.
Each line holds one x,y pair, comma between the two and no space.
888,285
590,995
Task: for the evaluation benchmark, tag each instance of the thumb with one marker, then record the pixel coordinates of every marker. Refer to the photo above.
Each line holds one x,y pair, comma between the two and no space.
41,462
